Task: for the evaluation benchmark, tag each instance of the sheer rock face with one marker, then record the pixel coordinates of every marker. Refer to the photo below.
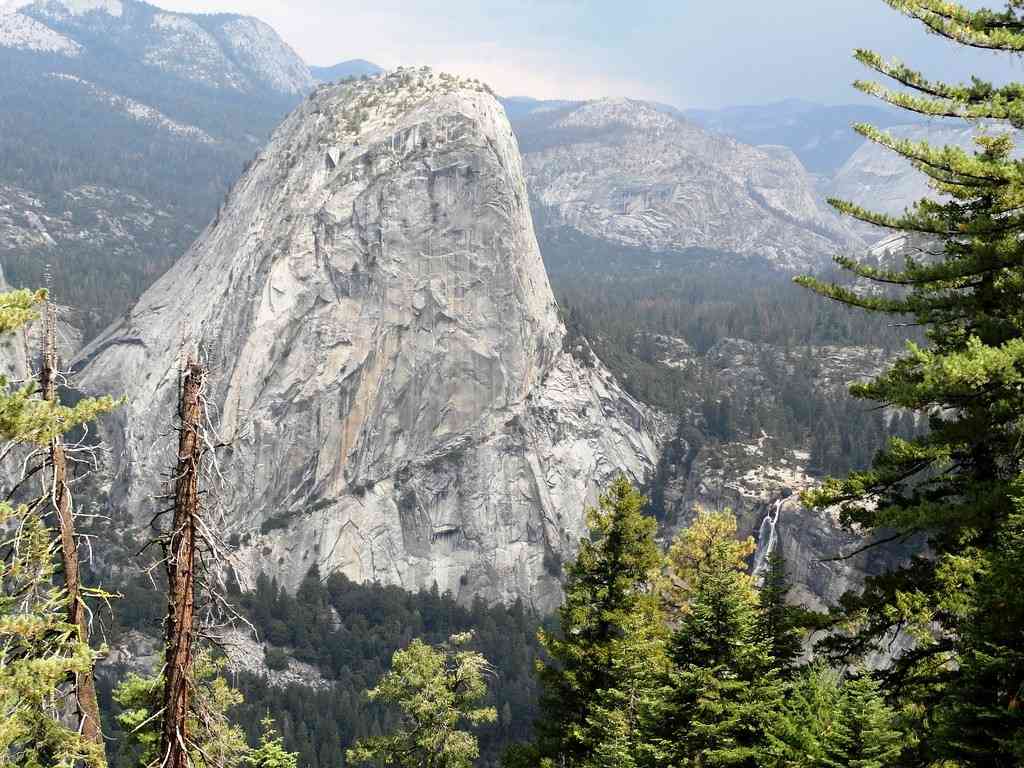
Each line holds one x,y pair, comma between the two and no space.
639,174
387,356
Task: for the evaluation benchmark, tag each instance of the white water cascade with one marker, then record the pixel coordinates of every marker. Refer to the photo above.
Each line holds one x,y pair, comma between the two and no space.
766,540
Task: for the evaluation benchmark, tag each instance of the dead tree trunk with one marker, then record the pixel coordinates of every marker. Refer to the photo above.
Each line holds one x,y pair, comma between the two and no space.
60,497
181,559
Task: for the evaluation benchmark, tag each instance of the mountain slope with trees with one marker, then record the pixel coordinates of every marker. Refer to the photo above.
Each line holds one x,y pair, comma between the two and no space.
113,160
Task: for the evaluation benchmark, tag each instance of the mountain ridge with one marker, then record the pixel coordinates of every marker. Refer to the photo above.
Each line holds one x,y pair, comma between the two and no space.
223,50
638,173
345,69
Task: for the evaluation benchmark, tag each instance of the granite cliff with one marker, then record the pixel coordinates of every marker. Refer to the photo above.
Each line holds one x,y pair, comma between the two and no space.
387,356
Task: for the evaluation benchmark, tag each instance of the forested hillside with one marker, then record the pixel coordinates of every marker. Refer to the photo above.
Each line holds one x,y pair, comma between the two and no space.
348,633
82,183
728,342
113,159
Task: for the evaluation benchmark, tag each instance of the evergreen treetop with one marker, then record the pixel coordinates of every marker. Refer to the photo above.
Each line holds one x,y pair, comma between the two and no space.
216,742
438,691
723,688
778,624
611,643
709,545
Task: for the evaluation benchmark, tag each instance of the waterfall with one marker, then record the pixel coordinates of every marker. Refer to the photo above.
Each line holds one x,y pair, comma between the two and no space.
766,539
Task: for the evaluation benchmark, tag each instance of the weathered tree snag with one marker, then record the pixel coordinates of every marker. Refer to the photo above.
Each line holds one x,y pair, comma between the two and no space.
60,497
181,558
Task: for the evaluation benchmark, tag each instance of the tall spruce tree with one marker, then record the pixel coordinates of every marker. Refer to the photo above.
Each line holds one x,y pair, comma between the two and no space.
610,651
723,688
271,752
805,732
956,484
830,722
981,716
868,734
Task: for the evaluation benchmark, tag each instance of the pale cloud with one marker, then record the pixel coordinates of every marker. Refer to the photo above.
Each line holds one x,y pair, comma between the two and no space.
684,52
530,72
438,37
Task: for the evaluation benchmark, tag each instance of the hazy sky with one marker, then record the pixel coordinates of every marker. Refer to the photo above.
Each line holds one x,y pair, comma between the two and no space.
690,53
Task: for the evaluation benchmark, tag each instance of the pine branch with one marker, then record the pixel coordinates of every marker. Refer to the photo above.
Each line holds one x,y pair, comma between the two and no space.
985,29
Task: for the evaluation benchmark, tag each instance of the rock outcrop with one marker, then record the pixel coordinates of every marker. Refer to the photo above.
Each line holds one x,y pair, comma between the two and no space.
882,180
388,365
759,479
14,365
639,174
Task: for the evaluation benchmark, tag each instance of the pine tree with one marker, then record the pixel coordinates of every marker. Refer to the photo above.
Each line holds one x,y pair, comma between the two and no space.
181,560
271,752
991,654
709,544
84,699
868,734
723,688
437,690
777,621
214,741
610,649
953,485
806,730
40,650
830,722
621,718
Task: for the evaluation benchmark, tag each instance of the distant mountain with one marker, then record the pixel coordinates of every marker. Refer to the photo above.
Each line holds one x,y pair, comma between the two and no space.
522,107
881,180
225,51
637,174
819,135
345,70
121,130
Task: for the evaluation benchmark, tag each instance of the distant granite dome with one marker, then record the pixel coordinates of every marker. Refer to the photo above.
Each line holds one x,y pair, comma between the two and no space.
388,359
638,173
